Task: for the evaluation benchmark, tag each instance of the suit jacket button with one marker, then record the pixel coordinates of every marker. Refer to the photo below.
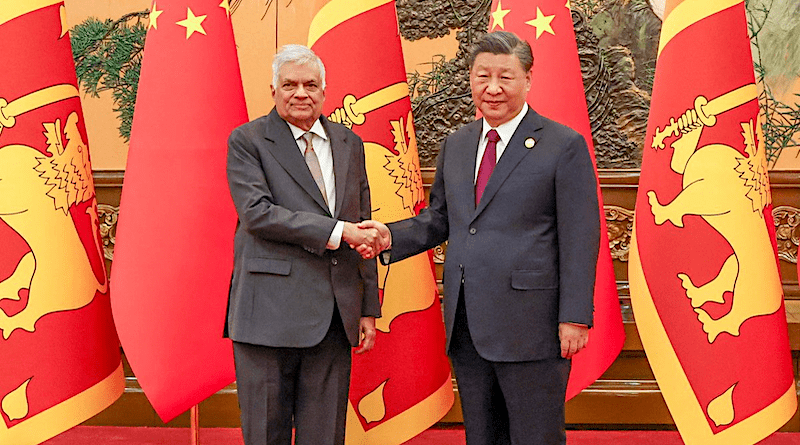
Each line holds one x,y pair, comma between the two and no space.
334,261
473,231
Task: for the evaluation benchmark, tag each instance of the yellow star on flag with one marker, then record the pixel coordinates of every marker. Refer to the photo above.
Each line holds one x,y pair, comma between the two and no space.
497,16
542,23
154,13
226,5
192,23
568,5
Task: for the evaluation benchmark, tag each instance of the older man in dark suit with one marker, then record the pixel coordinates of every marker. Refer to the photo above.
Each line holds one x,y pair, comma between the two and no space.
300,295
515,197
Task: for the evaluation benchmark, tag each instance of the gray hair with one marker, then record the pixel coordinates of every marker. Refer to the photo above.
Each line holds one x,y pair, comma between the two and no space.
300,55
502,42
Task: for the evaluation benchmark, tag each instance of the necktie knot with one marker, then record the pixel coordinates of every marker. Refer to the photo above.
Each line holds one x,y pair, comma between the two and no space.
493,136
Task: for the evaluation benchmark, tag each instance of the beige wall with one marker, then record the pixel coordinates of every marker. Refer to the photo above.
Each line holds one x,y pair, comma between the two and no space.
257,37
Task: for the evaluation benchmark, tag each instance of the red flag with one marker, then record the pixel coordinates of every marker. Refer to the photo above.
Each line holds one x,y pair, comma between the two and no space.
59,352
174,248
705,285
403,386
557,92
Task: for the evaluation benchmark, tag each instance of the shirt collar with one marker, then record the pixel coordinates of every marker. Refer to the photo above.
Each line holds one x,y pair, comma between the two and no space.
316,129
507,129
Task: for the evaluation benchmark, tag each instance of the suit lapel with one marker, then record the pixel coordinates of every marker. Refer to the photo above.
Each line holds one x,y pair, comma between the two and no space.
341,157
514,152
284,149
462,157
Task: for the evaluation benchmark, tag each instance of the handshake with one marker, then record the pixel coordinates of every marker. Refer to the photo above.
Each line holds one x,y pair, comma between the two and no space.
368,238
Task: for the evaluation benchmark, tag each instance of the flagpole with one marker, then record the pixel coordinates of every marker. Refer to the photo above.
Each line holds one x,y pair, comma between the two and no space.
194,425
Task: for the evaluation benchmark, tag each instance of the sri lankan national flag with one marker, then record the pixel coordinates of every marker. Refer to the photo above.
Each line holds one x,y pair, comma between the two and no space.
403,386
174,250
704,279
557,92
59,352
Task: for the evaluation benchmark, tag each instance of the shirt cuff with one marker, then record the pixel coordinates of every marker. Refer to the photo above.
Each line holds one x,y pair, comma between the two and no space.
335,239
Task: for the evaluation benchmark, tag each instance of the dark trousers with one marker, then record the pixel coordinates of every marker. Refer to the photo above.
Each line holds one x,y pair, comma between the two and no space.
304,387
519,403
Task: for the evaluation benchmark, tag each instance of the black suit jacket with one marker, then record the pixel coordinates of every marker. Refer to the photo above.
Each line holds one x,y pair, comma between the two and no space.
526,256
285,282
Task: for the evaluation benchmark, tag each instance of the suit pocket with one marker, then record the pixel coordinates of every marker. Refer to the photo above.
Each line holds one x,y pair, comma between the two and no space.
533,279
269,265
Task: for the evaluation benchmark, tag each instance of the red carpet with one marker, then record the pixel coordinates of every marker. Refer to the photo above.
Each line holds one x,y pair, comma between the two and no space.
98,435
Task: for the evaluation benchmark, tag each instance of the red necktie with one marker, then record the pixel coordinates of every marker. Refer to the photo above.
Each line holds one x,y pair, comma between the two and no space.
487,164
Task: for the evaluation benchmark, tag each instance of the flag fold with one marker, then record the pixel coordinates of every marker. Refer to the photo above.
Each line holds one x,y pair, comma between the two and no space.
174,245
705,284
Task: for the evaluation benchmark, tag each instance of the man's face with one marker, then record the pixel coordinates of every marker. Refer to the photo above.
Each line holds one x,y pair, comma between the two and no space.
299,95
499,85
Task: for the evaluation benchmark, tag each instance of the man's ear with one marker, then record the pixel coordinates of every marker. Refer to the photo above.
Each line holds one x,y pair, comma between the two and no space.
528,82
272,90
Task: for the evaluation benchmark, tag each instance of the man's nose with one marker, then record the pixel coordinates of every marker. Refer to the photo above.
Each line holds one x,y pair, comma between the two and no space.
494,86
301,91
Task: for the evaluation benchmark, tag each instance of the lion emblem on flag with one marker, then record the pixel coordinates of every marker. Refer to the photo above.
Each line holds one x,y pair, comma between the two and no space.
729,190
36,193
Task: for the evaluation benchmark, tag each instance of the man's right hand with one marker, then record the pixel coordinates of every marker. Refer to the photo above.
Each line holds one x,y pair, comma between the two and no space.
360,238
382,242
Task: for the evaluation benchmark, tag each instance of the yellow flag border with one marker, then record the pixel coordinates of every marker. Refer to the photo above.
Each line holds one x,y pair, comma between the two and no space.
686,411
406,425
336,12
688,13
67,414
17,8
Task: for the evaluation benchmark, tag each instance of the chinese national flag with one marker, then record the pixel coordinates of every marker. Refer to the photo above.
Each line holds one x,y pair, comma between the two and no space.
705,286
174,249
59,352
403,386
557,92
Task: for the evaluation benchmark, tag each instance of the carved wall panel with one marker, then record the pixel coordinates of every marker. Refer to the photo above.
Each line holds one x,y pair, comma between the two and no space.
108,216
787,220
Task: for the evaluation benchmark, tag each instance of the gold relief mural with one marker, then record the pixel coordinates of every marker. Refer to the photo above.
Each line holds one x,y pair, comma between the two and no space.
787,231
617,42
619,222
108,216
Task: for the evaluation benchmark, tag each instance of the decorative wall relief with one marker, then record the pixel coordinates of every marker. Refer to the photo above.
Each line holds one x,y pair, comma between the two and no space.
617,44
787,232
108,216
440,99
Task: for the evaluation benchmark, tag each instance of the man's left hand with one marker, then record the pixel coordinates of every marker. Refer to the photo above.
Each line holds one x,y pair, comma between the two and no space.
573,338
366,328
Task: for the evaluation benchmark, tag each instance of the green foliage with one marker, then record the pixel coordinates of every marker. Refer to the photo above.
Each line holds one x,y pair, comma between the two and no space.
781,121
108,57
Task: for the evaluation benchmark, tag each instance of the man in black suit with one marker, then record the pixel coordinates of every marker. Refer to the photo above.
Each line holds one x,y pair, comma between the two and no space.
515,197
300,295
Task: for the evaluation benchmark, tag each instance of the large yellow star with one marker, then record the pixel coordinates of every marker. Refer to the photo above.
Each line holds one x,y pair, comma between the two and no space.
542,23
154,13
226,5
498,15
192,23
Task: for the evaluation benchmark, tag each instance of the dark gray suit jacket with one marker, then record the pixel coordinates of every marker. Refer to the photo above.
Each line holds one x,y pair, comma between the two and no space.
284,280
527,254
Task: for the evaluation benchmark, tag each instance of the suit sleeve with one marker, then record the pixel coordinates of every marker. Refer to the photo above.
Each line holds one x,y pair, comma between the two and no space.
426,230
578,223
258,213
371,304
